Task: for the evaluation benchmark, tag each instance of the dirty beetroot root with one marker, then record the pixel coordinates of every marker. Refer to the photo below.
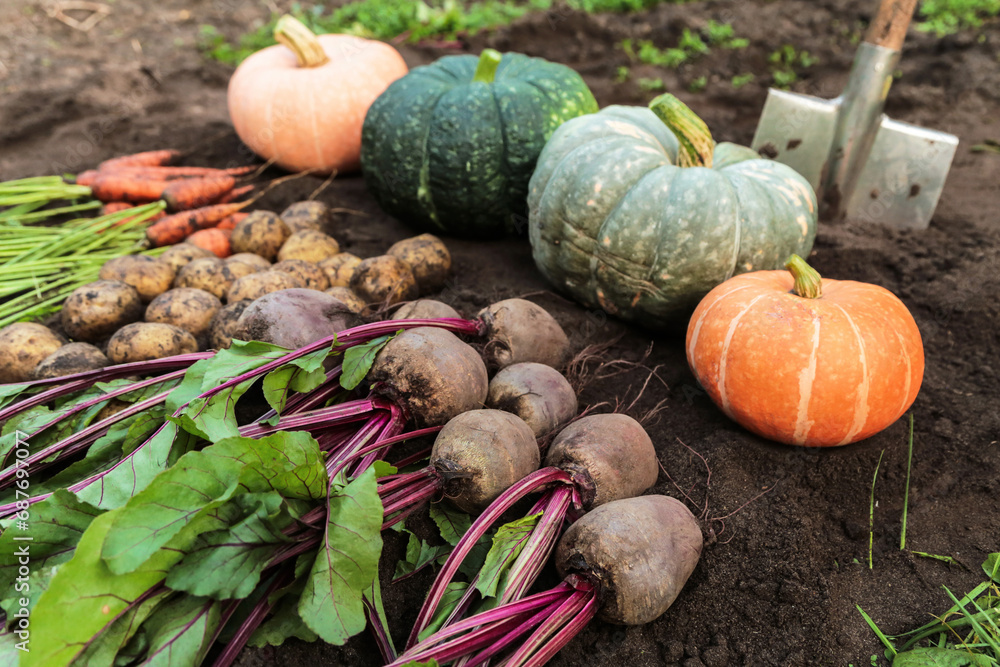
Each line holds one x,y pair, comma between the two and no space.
595,460
625,561
538,394
476,456
293,318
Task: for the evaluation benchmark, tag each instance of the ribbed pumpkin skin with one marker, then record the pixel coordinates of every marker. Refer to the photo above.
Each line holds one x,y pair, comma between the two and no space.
815,372
616,225
447,154
310,117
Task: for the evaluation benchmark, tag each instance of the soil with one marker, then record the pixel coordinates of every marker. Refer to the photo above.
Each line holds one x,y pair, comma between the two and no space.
789,528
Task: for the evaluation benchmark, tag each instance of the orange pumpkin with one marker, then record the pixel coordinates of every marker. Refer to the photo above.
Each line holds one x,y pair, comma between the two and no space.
804,360
301,103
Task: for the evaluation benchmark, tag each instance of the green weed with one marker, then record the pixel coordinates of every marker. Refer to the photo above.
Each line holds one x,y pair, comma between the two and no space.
785,63
741,80
690,46
622,74
946,17
698,85
651,85
723,35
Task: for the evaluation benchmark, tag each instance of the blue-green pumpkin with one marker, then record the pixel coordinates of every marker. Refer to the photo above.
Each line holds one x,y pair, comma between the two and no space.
638,212
451,146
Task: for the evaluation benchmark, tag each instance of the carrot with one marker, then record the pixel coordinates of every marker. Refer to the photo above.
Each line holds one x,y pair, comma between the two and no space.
86,177
231,221
108,187
235,194
115,206
192,193
175,228
147,159
214,240
170,173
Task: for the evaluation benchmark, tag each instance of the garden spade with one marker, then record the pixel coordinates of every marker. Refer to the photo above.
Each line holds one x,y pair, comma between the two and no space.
862,164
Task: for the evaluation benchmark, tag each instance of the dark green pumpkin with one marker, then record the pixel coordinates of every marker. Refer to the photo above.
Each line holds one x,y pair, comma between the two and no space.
451,146
617,222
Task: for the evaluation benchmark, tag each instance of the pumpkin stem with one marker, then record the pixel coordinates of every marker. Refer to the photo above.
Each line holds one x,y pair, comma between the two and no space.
486,70
696,143
808,283
294,34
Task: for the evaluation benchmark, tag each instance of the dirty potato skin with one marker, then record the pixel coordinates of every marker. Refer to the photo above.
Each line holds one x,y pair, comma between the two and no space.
428,258
384,279
225,324
258,284
340,268
613,449
641,550
23,345
100,308
538,394
432,373
189,308
347,297
210,274
519,330
148,275
256,261
69,360
496,448
311,275
309,245
424,309
262,233
142,341
308,215
178,256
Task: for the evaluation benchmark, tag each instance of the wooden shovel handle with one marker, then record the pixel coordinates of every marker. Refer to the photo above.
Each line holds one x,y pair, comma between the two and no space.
888,28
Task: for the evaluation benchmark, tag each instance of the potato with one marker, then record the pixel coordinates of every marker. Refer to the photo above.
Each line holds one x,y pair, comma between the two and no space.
23,345
148,275
256,261
100,308
258,284
308,215
189,308
261,232
428,258
142,341
340,268
237,270
70,359
424,309
225,324
310,245
210,274
347,297
311,275
177,256
384,279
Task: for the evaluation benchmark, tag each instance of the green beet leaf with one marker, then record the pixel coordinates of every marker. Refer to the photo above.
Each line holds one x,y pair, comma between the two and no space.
105,649
507,545
200,481
347,562
452,596
85,596
55,527
940,657
358,361
452,523
419,554
181,631
227,564
301,375
10,392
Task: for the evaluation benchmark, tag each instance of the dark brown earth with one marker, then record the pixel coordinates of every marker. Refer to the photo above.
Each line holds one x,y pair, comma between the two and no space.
780,584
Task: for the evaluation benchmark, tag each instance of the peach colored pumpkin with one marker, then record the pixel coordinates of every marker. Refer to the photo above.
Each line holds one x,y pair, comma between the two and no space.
302,102
829,368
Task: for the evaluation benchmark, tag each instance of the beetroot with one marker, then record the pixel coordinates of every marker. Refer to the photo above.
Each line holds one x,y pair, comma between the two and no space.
294,318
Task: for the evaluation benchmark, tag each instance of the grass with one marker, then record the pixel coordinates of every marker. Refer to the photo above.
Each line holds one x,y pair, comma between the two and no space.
412,21
946,17
968,633
786,63
871,511
691,46
906,495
